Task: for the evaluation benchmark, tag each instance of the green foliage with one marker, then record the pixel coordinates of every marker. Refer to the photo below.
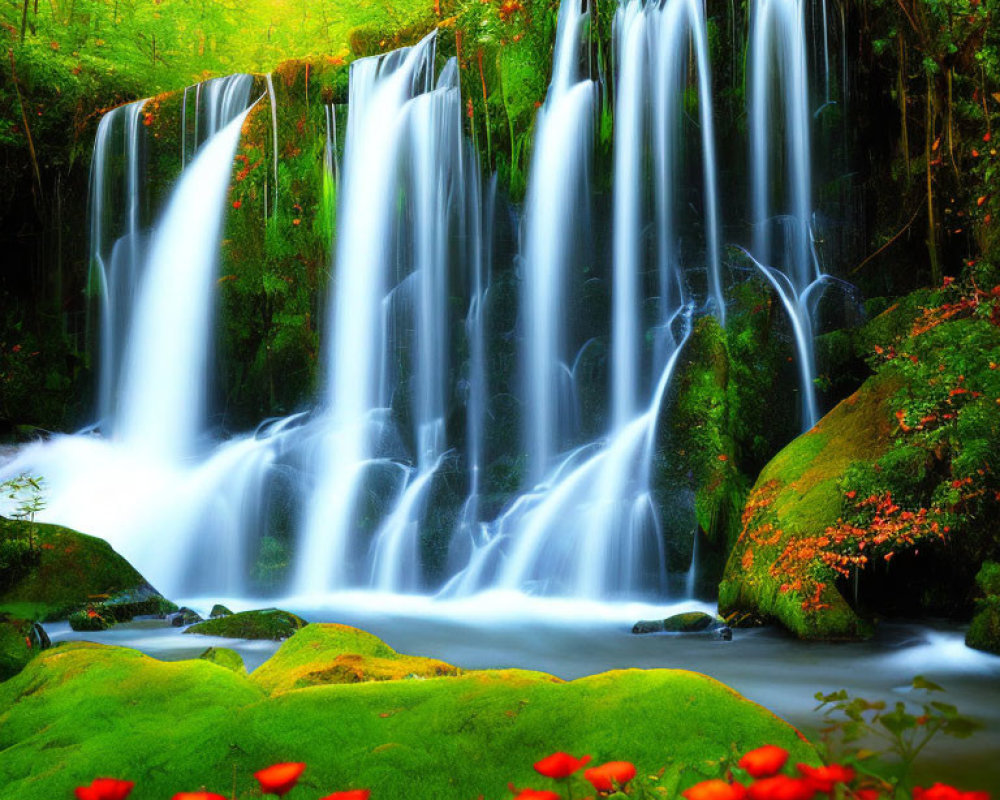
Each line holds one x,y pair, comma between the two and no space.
904,729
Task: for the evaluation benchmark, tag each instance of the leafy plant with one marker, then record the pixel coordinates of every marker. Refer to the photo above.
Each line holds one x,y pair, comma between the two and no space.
904,730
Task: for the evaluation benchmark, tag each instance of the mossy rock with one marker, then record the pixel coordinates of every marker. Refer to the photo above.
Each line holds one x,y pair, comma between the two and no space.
685,622
20,641
219,610
75,571
189,724
268,623
984,631
890,499
328,653
799,494
225,657
185,616
89,620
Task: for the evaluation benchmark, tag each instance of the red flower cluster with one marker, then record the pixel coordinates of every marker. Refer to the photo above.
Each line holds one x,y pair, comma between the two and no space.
560,765
278,779
764,765
611,776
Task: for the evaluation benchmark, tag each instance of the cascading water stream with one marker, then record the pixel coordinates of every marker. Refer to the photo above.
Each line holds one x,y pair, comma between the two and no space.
778,38
115,271
555,223
404,140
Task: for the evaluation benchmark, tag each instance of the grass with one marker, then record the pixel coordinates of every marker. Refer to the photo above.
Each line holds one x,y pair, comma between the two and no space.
83,710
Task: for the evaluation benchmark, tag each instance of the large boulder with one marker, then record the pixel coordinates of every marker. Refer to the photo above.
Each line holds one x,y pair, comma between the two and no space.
81,710
74,571
884,507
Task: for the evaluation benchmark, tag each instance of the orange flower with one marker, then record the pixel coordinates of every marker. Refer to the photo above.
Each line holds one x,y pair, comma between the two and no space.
781,787
199,796
611,775
534,794
279,779
823,779
350,794
104,789
560,765
764,761
296,221
715,790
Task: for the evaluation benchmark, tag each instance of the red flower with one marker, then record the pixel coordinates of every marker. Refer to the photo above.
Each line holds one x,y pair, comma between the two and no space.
867,794
237,203
715,790
350,794
610,776
535,794
764,761
560,765
823,779
104,789
781,787
942,791
199,796
279,779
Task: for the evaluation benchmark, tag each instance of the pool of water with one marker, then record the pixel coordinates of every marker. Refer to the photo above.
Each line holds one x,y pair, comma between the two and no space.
572,639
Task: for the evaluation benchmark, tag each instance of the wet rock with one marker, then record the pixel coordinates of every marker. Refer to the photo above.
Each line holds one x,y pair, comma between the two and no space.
219,610
268,623
686,622
185,616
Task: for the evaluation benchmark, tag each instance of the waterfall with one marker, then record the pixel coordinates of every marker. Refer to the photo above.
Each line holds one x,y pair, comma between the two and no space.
393,461
778,38
558,186
163,394
403,136
116,198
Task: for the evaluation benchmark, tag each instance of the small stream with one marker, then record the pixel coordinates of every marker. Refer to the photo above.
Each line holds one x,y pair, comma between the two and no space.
571,639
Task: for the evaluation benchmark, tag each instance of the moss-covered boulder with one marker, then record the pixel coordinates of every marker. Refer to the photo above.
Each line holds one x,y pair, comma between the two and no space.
75,571
219,610
984,632
225,657
885,507
20,641
268,623
80,710
325,653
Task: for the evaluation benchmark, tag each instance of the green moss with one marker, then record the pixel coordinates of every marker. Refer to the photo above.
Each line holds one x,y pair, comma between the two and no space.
984,631
269,623
74,570
224,657
798,495
323,654
81,710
